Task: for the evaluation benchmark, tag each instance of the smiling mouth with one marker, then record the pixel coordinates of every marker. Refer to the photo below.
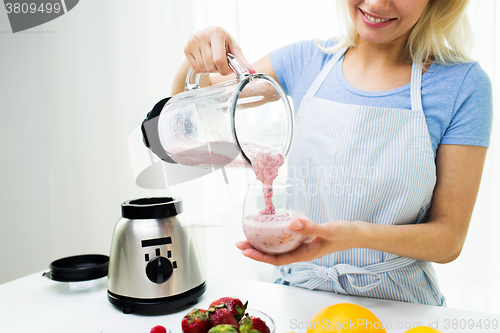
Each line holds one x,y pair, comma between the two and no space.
375,19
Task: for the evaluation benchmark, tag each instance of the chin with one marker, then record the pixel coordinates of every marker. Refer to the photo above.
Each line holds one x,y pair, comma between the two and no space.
373,38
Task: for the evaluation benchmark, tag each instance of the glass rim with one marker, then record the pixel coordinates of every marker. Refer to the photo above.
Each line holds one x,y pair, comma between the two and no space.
242,82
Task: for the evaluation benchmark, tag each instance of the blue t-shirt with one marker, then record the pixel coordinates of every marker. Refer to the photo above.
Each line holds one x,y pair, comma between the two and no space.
457,99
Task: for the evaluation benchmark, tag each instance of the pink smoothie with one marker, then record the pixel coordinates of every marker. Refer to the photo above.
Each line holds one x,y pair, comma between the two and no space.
218,154
271,234
265,164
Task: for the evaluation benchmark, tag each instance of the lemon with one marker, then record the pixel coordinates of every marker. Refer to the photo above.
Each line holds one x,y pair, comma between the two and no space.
424,329
345,317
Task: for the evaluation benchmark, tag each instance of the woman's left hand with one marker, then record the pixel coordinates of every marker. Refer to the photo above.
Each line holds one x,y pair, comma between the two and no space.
326,238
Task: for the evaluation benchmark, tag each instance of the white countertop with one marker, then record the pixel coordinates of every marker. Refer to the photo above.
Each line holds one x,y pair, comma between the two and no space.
37,304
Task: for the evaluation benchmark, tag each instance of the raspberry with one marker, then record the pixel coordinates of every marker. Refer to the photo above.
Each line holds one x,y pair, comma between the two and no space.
158,329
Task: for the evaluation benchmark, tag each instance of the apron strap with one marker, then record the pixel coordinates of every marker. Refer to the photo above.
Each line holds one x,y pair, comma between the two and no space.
325,71
310,276
416,87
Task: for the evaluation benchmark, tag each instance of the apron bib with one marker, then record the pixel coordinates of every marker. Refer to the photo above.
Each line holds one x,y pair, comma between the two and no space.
370,164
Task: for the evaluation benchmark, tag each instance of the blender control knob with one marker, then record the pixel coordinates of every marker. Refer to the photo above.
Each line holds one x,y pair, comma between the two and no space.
159,269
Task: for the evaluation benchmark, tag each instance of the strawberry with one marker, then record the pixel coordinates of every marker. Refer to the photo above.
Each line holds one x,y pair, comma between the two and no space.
223,329
219,315
158,329
251,324
195,321
234,305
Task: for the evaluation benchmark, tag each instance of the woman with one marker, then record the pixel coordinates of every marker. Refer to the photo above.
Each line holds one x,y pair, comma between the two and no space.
393,125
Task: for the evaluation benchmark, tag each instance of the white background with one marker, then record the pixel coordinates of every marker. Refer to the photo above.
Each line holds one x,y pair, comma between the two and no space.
74,91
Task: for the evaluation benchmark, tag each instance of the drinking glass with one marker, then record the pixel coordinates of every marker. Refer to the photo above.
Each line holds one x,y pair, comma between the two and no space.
270,233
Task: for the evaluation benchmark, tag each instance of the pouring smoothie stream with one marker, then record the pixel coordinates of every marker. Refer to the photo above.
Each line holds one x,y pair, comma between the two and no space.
265,164
268,231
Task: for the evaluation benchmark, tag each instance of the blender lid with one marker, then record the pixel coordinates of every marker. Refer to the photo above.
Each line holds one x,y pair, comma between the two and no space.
78,268
151,208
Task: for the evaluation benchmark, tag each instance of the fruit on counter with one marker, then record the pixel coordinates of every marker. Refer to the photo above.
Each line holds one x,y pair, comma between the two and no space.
423,329
345,317
225,315
251,324
196,321
223,329
234,305
158,329
219,315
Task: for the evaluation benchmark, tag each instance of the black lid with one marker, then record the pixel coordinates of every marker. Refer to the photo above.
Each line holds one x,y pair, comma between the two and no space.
150,136
79,268
151,208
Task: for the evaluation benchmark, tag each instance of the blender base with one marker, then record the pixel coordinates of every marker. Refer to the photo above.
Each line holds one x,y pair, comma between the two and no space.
131,304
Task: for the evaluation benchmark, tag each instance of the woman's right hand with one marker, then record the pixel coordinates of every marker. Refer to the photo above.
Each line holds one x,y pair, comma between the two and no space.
206,51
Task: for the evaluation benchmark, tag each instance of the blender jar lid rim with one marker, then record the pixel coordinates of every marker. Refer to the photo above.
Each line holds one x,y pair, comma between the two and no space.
151,208
78,268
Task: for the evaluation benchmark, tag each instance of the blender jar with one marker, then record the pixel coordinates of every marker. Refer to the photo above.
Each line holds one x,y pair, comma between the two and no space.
214,126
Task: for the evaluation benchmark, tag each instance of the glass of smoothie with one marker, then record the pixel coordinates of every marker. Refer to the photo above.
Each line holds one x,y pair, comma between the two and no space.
267,228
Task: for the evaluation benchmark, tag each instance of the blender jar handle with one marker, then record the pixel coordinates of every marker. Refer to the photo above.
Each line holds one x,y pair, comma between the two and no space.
238,68
193,79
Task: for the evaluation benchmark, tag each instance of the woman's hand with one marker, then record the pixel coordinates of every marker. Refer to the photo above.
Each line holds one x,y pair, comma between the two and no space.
326,238
206,51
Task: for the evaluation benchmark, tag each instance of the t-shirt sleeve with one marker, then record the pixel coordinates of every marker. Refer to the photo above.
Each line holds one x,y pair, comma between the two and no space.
473,111
289,61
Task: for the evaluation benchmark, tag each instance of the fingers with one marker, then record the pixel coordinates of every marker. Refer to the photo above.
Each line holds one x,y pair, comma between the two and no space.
219,58
243,245
259,256
206,57
307,227
196,51
250,252
305,252
206,51
309,239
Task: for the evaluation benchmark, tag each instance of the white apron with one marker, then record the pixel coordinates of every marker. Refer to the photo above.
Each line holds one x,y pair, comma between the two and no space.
370,164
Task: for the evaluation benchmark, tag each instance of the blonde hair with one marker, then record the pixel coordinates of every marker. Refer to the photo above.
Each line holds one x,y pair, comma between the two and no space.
443,33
